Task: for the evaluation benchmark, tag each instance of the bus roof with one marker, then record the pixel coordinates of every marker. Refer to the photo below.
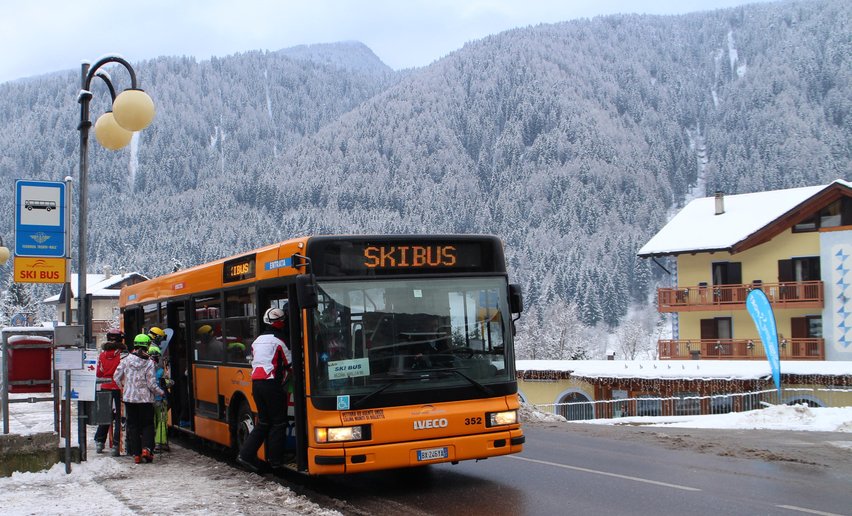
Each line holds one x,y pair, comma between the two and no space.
210,275
475,253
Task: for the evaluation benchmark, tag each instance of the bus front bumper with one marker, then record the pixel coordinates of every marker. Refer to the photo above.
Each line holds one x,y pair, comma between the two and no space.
357,459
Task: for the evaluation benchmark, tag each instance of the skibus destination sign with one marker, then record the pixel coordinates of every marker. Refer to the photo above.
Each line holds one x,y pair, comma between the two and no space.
405,256
40,219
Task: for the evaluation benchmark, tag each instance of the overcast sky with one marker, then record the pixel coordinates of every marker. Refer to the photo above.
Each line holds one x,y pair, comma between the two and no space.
41,36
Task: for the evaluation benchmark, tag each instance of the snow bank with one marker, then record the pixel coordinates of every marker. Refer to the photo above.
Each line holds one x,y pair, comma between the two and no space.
775,417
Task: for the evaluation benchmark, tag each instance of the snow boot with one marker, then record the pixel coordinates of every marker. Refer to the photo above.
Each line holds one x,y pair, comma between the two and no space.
99,447
147,455
247,465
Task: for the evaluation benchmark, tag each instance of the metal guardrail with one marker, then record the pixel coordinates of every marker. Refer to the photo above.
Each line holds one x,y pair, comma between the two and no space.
724,403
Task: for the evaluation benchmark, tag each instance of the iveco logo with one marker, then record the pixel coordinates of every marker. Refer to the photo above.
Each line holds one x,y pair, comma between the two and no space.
430,423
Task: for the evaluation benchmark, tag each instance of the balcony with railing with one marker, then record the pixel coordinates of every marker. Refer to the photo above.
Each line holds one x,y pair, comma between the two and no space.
739,349
798,294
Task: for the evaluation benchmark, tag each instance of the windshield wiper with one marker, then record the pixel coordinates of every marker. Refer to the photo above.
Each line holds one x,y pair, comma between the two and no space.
391,381
478,385
483,388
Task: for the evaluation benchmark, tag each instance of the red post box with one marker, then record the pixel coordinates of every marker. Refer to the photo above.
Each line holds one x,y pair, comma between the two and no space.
30,361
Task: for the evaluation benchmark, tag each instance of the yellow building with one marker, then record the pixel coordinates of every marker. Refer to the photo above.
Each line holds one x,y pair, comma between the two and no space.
794,244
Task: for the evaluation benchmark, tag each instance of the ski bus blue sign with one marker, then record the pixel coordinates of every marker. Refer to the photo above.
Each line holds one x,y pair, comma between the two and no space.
40,218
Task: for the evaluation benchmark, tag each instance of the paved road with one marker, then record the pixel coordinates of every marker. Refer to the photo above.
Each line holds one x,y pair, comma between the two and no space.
584,469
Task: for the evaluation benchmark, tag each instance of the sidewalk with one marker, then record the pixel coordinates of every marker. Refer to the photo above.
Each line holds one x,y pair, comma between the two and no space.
179,482
31,443
31,418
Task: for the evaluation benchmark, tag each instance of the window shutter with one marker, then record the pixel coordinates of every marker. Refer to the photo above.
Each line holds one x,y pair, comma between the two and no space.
735,273
786,271
799,327
708,329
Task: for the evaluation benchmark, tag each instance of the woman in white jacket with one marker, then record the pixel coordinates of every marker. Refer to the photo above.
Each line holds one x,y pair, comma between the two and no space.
137,379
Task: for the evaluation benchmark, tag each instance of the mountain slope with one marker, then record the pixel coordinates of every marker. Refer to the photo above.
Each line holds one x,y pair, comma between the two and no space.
570,141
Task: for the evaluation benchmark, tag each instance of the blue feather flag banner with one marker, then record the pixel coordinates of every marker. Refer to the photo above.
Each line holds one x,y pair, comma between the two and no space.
761,312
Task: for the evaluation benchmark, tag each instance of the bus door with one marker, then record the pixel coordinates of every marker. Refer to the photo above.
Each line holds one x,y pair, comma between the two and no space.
276,298
132,325
179,359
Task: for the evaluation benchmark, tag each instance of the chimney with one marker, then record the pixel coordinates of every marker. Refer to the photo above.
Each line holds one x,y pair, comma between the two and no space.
720,202
107,272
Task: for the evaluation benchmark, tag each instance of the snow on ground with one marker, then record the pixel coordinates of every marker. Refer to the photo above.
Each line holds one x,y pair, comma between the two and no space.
184,482
179,482
775,417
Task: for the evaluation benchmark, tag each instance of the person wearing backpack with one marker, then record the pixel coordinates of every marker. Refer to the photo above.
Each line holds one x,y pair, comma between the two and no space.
108,361
138,381
161,406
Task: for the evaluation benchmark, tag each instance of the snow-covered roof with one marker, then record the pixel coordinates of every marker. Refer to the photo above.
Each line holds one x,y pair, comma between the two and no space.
98,285
685,369
697,227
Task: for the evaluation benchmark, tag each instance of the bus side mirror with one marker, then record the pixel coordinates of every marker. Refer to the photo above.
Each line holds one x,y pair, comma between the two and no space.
306,291
516,298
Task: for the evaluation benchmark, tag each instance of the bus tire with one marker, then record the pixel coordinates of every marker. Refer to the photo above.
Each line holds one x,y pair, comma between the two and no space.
243,425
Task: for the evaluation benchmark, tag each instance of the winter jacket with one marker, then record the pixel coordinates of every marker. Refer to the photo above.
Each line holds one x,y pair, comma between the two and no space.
160,376
107,363
137,379
270,357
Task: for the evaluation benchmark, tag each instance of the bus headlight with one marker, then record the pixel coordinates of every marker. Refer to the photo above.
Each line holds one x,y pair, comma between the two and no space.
338,434
510,417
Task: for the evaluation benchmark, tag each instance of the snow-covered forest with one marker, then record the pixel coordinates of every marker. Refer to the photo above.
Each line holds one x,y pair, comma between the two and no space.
570,141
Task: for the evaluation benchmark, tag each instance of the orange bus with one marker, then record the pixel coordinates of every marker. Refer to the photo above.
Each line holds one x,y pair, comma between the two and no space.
401,345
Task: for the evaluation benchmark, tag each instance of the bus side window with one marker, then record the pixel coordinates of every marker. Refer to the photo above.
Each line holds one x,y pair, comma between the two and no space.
208,343
240,335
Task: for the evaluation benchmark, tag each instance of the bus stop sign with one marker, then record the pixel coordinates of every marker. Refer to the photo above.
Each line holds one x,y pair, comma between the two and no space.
40,218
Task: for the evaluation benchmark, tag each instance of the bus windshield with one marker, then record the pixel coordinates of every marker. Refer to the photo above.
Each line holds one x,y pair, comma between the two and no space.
396,335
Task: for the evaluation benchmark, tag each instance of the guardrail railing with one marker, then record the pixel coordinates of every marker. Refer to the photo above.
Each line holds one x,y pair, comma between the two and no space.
798,294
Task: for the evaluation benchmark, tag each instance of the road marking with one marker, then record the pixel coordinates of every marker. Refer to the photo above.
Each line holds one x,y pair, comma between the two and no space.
809,511
605,473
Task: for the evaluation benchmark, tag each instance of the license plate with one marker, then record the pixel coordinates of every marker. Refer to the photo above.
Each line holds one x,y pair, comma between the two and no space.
432,454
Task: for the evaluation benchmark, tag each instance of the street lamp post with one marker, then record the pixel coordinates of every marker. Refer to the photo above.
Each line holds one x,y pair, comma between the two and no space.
132,110
4,252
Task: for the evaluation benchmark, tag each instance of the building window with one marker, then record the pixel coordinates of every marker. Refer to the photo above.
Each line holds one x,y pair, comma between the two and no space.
620,409
721,403
578,407
720,330
809,224
838,213
796,270
727,273
649,405
814,326
687,404
751,401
